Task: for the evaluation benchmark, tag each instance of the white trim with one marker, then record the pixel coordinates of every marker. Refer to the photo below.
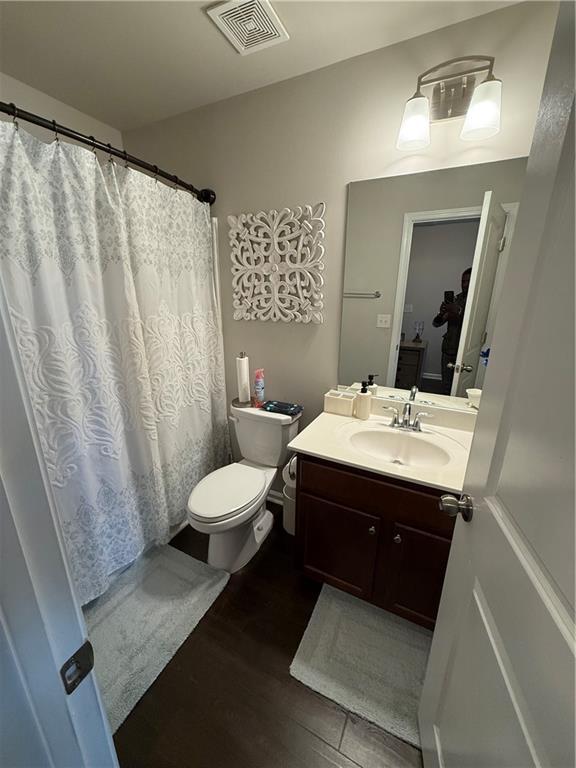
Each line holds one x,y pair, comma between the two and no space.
418,217
25,689
478,250
216,267
77,723
511,210
502,256
411,218
539,578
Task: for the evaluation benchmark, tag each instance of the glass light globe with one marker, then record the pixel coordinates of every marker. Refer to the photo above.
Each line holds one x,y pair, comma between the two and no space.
415,129
483,116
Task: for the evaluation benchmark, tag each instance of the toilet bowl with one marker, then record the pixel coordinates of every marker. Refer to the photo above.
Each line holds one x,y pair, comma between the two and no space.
229,504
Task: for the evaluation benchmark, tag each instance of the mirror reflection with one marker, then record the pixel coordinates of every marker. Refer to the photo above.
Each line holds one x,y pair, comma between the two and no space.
425,258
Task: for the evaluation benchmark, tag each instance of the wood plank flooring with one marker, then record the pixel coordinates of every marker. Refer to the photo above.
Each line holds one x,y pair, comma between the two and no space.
226,699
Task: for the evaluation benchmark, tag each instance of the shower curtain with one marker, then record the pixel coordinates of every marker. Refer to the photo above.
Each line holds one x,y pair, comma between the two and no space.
108,281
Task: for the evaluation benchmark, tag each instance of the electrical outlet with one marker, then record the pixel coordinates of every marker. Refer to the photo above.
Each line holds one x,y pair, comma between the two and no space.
408,308
383,321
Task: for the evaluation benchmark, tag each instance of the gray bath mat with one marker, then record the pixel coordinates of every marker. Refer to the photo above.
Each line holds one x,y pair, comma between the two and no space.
142,620
369,661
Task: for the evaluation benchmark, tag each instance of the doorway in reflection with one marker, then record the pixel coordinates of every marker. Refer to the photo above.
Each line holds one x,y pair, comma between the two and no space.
441,258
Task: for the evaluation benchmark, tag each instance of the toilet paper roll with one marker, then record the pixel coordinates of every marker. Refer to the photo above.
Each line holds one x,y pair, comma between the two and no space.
289,473
243,378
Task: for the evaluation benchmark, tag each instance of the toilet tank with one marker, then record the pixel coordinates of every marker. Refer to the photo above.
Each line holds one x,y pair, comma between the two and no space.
263,437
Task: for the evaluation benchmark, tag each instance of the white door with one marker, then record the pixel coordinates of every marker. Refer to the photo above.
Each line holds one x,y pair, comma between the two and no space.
484,267
499,688
41,623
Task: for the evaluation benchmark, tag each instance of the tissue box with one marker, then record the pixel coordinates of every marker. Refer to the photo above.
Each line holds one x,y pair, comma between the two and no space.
341,403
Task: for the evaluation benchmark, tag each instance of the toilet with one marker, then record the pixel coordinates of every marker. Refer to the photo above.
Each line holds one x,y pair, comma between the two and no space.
229,504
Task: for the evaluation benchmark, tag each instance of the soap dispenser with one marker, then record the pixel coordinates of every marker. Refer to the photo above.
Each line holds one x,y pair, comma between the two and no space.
372,386
363,402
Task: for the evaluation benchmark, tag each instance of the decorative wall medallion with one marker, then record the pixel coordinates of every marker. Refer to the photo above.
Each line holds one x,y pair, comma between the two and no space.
277,263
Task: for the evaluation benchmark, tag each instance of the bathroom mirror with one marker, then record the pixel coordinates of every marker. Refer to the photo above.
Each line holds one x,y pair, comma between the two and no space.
425,258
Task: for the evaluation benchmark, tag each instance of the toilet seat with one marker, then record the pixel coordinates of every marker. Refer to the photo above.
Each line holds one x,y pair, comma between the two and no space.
226,492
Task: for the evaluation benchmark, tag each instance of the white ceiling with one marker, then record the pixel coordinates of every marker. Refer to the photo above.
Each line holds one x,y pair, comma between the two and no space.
132,63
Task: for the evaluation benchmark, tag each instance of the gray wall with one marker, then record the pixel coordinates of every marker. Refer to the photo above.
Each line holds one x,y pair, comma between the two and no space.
33,100
440,253
376,211
303,140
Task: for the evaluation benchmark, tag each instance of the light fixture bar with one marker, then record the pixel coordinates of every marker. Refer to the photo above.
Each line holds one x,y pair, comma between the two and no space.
424,79
482,109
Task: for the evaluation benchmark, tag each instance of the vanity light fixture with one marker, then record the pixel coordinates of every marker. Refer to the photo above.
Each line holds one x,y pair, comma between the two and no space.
453,93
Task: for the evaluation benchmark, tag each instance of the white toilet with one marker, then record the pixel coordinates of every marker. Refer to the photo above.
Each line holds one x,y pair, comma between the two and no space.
230,503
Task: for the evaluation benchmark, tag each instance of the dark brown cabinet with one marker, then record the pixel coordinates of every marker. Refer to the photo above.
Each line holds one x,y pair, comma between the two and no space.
410,367
411,583
380,539
340,545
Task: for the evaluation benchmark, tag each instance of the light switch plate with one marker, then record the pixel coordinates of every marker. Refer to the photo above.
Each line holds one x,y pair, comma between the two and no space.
383,321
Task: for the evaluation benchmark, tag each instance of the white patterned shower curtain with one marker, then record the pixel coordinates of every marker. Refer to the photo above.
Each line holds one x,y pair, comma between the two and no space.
108,279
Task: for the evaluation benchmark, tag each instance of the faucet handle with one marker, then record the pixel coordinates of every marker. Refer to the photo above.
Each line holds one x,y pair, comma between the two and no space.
396,417
416,424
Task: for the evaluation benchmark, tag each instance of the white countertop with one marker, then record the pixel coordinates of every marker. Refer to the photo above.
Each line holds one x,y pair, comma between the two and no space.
323,438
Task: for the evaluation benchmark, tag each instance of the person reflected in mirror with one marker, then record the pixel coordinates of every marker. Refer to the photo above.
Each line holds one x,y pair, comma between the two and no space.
451,313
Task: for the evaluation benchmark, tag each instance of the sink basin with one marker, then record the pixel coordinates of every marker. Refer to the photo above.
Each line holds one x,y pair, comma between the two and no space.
431,448
402,448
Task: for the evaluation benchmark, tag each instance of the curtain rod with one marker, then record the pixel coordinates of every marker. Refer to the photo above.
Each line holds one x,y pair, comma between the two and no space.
204,195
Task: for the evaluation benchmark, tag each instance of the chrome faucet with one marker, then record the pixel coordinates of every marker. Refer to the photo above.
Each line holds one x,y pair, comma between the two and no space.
413,393
416,424
406,422
407,413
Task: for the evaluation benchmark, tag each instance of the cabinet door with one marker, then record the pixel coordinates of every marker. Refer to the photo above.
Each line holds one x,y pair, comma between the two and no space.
339,544
410,573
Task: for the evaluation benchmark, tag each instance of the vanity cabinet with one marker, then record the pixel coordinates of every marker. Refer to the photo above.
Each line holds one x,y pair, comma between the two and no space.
378,538
340,545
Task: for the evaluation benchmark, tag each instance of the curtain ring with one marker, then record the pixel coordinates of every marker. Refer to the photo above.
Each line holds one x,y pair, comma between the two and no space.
93,140
14,116
176,183
54,128
110,158
155,173
125,159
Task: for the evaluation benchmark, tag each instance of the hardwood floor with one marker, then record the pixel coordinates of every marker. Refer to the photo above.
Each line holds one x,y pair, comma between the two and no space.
226,699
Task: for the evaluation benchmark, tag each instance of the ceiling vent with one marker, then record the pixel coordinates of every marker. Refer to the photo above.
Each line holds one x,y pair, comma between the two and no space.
250,25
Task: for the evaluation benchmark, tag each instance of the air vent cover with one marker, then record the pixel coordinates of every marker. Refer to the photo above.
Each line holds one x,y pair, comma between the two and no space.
250,25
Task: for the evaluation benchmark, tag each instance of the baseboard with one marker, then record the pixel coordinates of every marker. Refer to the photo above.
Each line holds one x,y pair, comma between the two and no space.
275,497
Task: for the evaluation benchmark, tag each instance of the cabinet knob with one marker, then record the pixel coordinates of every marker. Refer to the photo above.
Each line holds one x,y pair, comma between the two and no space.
397,539
372,530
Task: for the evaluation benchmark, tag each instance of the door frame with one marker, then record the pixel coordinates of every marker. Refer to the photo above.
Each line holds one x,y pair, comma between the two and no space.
35,572
417,217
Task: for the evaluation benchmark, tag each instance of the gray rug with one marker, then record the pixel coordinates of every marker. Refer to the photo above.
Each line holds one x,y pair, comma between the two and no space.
142,620
369,661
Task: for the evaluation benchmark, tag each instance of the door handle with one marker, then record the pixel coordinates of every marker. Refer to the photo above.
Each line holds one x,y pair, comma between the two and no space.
457,367
452,506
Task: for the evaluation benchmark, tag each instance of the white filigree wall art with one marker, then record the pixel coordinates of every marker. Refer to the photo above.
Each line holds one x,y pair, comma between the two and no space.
277,264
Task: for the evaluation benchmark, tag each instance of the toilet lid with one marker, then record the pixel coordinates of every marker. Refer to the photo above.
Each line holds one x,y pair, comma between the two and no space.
226,491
